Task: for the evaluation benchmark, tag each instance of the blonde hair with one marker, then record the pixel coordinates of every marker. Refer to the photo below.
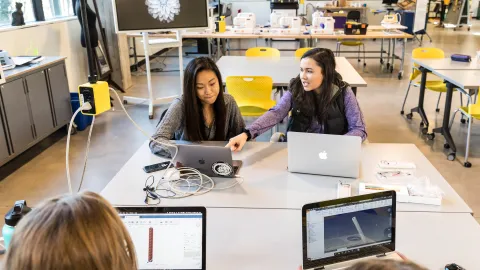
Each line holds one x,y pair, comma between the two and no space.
82,231
385,265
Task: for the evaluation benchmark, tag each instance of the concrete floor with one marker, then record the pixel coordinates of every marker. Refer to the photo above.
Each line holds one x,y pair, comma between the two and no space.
115,139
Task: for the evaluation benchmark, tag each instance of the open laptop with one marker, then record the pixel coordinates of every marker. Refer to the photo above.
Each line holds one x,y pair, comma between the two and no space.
167,237
338,233
213,161
332,155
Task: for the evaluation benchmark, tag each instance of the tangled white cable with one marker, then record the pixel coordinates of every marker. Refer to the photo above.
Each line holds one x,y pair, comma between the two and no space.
190,178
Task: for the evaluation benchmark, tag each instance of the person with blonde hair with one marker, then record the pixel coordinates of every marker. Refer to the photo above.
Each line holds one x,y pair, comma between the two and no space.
81,231
385,265
375,264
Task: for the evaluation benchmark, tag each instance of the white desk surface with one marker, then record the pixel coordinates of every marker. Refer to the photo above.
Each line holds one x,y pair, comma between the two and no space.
465,79
446,63
271,239
281,69
268,184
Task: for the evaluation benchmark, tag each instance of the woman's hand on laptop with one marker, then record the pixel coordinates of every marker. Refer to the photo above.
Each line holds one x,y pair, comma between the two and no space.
236,143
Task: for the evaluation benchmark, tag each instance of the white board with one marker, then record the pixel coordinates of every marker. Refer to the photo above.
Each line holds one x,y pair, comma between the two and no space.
420,15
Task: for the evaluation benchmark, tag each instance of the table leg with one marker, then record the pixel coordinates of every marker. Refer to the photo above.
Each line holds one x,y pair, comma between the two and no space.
388,53
135,58
146,47
444,130
381,53
209,43
420,110
354,89
228,46
404,45
393,56
218,49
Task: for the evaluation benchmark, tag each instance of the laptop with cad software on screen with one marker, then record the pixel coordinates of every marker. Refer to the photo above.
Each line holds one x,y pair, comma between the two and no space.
167,237
338,233
322,154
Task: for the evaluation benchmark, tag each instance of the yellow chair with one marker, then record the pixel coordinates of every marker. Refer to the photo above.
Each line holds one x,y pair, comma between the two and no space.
472,111
252,93
352,43
262,51
300,52
436,86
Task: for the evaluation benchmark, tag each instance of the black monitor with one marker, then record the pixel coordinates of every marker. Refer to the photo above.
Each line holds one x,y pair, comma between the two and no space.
151,15
389,2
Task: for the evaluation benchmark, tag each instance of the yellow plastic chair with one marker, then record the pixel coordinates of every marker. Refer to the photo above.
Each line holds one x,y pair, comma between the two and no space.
352,43
300,52
262,51
252,93
436,86
472,111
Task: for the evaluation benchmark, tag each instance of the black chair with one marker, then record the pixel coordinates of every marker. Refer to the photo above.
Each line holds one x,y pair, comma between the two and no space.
354,15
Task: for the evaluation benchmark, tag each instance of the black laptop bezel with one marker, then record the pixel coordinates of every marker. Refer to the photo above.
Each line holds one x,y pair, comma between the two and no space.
362,252
166,210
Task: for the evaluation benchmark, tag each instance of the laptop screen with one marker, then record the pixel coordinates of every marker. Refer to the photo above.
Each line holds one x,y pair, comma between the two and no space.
348,228
167,238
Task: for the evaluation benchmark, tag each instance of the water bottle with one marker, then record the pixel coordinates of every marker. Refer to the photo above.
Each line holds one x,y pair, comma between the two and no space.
12,218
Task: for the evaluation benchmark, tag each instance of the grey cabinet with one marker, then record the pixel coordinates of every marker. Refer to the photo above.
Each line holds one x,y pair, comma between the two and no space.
34,103
17,115
60,95
37,92
4,151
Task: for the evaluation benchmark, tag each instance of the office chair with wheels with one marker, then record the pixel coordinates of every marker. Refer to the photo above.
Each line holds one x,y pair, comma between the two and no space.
436,86
300,52
262,51
353,15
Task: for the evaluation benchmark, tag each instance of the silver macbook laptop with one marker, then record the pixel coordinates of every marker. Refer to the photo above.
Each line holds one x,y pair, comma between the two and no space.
167,237
338,233
323,154
214,161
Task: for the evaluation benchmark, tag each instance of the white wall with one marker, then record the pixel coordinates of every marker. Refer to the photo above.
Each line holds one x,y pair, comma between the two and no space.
55,39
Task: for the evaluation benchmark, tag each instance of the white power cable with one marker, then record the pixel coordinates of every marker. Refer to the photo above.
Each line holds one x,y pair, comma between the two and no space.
86,153
86,106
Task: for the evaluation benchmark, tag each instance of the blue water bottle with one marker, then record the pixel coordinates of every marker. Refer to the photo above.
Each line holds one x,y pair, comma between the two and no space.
12,218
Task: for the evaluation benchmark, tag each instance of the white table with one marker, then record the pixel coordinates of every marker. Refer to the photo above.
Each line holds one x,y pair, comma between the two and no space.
446,63
281,69
271,239
460,75
462,79
268,184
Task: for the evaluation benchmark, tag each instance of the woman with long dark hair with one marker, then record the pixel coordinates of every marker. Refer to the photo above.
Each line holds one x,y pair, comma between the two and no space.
203,113
319,102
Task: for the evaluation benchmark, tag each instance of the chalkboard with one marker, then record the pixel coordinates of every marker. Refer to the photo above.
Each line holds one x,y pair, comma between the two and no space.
151,15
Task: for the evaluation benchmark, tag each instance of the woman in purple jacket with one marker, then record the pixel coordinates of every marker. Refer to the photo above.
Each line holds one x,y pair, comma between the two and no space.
319,102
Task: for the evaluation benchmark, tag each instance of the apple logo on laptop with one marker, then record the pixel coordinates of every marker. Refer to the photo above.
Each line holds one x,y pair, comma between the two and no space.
323,155
201,161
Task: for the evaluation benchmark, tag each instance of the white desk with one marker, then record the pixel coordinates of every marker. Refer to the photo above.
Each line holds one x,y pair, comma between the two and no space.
463,79
268,184
271,239
446,63
281,69
460,75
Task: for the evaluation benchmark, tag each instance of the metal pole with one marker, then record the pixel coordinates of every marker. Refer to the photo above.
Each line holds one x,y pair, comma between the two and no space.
92,77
